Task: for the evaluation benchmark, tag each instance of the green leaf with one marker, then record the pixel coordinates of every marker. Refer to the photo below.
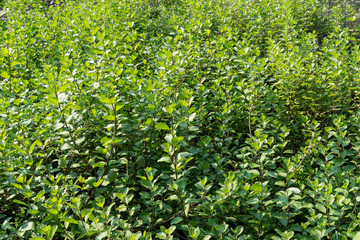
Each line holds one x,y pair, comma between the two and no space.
33,212
109,117
256,187
140,161
183,103
283,199
53,231
255,145
52,100
169,109
66,146
68,220
166,159
4,51
145,183
100,201
98,183
177,140
357,236
176,220
119,106
112,176
115,140
151,107
46,230
95,30
91,180
168,138
181,183
107,100
321,208
161,235
37,142
52,211
79,140
5,75
58,126
186,209
39,195
121,208
37,238
329,230
17,102
19,202
283,221
27,226
18,186
173,197
197,231
101,235
105,141
162,126
294,190
192,116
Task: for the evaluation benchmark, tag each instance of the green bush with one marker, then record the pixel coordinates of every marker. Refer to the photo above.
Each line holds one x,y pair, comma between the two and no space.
193,119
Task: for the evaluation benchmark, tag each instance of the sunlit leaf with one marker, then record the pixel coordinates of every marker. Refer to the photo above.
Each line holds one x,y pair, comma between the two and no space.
162,126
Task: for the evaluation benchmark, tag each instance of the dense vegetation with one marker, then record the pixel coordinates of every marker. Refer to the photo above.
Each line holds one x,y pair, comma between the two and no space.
169,119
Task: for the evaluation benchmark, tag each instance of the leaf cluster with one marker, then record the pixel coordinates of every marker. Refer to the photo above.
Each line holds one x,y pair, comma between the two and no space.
169,119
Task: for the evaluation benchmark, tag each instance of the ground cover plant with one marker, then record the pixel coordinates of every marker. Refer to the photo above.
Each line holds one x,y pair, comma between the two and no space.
169,119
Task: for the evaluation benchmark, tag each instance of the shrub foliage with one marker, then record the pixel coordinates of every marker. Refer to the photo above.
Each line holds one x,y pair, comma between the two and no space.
170,119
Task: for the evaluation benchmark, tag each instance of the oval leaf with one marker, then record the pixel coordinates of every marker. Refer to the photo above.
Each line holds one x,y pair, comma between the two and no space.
162,126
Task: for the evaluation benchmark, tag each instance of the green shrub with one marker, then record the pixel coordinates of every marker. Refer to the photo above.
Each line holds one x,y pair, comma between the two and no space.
193,119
